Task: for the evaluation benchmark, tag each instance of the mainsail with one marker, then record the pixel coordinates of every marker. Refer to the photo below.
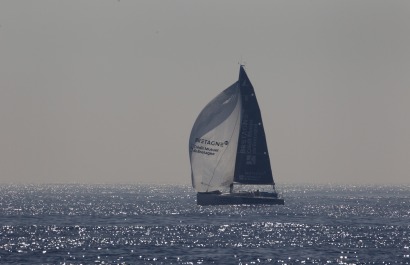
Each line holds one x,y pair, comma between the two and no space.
227,142
252,160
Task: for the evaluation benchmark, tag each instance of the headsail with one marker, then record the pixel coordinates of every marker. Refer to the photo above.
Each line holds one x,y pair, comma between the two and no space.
252,160
213,141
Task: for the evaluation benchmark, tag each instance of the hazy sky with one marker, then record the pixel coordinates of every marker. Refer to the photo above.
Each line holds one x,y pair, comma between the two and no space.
107,91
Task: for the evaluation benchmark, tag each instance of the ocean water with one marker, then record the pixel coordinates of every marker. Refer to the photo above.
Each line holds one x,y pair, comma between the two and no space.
159,224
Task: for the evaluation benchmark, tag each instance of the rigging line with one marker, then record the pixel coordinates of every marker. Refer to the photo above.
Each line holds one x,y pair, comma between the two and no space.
236,123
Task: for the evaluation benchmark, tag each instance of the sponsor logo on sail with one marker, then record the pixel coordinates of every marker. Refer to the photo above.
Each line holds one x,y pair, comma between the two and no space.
208,147
211,142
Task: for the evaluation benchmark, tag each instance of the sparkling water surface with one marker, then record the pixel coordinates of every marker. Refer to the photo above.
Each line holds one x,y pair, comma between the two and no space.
159,224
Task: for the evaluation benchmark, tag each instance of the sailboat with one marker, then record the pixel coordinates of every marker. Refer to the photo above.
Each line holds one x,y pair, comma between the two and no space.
227,149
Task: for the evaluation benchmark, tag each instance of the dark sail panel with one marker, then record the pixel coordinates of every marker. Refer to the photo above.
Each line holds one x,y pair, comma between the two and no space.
252,160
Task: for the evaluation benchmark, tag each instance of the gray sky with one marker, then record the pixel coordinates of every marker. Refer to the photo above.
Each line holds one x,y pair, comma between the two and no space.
107,91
